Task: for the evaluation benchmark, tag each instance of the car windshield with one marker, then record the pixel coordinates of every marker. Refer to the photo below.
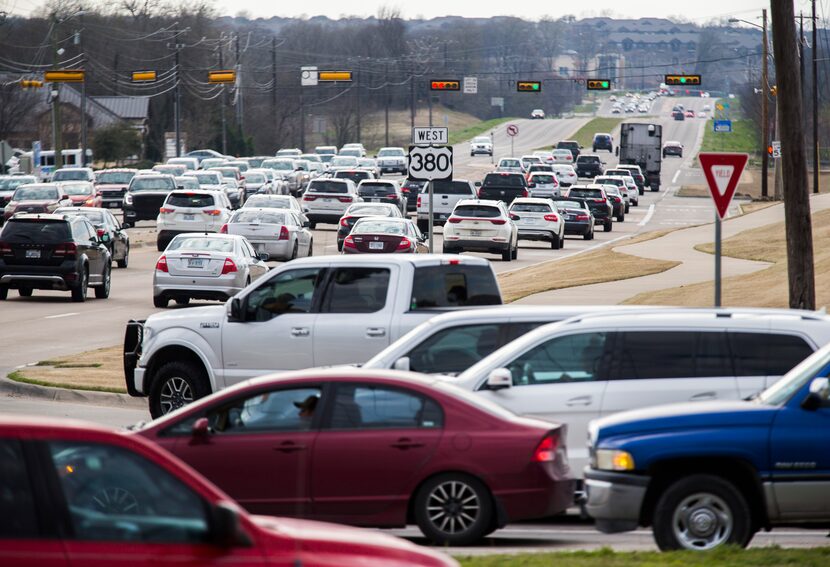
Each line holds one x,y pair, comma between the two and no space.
510,163
35,194
587,193
811,367
373,210
152,184
569,205
70,175
372,226
610,181
268,217
322,150
255,178
449,188
201,243
350,152
274,202
530,208
229,173
328,187
40,230
115,177
481,140
480,211
207,178
279,165
12,183
344,161
187,183
389,152
77,189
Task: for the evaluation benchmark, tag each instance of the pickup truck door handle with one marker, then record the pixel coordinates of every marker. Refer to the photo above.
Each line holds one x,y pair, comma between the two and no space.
580,401
289,447
375,332
703,396
299,331
405,443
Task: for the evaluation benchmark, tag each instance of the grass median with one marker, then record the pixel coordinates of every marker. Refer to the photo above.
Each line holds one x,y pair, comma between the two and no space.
726,557
99,370
478,129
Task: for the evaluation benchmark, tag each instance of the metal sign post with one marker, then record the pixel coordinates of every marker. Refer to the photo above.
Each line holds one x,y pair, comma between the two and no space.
429,163
512,131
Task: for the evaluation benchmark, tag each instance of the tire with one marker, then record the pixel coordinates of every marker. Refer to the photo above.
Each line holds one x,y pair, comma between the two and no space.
294,250
25,291
311,247
515,254
588,235
642,190
160,246
710,500
160,301
454,488
655,189
4,292
182,301
423,225
562,240
507,255
177,383
621,217
607,225
126,260
556,242
312,225
103,291
448,250
79,292
627,207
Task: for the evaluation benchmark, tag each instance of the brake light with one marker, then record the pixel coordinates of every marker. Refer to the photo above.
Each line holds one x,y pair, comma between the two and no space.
309,198
345,221
212,212
228,266
454,220
551,217
283,233
5,248
224,229
345,199
349,243
392,197
161,265
498,221
599,200
67,249
419,201
545,451
100,232
582,217
165,210
404,244
525,193
617,199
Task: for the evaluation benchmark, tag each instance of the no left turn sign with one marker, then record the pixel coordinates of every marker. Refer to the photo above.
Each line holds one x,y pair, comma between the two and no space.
512,130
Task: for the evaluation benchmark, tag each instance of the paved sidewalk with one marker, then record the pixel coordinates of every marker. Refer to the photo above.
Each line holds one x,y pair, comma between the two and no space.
676,246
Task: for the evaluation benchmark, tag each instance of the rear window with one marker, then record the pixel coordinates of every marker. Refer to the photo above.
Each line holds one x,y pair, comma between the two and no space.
268,201
568,145
208,179
370,210
356,176
224,245
609,181
70,174
328,187
587,193
392,152
35,194
255,178
94,217
152,184
601,137
376,189
588,159
267,217
503,179
480,211
36,231
379,227
454,286
530,208
190,200
543,179
570,205
449,188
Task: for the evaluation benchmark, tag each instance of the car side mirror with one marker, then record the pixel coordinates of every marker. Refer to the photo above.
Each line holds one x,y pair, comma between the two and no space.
478,183
235,311
514,217
500,379
402,364
201,429
532,184
264,256
617,151
224,526
306,224
819,394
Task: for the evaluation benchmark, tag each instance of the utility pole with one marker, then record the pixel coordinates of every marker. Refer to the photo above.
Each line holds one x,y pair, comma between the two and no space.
57,143
816,158
797,216
357,100
84,144
274,81
177,110
239,123
302,120
224,103
764,110
412,97
386,110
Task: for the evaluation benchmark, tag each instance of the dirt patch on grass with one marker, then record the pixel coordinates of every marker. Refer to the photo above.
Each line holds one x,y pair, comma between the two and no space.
99,370
581,270
765,288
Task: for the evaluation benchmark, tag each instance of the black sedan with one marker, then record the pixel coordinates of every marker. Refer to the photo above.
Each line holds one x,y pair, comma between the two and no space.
109,230
673,149
578,217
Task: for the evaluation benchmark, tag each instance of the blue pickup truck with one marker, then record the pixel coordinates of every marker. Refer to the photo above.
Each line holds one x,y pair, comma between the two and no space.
707,474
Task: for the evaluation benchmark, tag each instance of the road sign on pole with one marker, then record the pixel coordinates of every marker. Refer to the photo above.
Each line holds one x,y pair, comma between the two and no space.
723,126
776,149
427,163
308,76
470,85
722,173
512,131
437,136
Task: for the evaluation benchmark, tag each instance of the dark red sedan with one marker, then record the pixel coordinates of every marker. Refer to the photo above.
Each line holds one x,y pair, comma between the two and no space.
76,494
384,235
373,448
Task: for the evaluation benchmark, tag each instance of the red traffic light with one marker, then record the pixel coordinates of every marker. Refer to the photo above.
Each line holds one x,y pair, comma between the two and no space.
445,85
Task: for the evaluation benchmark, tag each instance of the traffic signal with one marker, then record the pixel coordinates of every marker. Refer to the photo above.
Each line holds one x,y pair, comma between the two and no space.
773,90
64,76
598,84
445,85
334,76
31,84
224,76
529,86
769,150
144,76
683,80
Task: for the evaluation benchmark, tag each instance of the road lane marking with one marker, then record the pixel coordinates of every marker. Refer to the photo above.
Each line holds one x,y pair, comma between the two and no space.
648,216
674,179
61,315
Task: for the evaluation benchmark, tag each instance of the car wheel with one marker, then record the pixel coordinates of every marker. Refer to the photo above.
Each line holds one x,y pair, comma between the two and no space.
562,240
124,262
4,292
588,235
311,247
160,301
294,251
555,242
627,207
176,384
79,291
103,291
160,245
515,254
182,301
621,217
312,225
25,292
607,225
423,225
702,512
454,509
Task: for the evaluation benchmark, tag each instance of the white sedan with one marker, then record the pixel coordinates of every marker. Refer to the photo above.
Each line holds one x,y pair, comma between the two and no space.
278,233
538,219
566,174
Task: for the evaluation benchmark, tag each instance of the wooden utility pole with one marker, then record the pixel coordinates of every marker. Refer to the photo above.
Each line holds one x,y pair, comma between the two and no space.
816,160
764,111
798,222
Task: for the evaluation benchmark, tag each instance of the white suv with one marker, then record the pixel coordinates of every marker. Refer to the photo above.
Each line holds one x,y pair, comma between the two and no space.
481,226
191,211
481,145
325,200
392,160
539,219
543,184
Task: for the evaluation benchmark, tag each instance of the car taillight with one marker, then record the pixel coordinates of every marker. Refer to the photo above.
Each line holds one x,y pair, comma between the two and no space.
165,210
224,229
498,221
551,217
599,200
525,193
418,204
617,199
545,451
67,249
161,265
283,233
345,221
228,266
454,220
212,212
100,232
404,244
349,243
345,199
5,248
392,197
582,217
309,198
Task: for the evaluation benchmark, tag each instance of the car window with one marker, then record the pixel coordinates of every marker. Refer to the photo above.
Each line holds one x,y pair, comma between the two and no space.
378,407
267,217
449,188
763,354
190,200
116,495
543,179
503,179
35,194
453,286
372,226
477,211
453,350
289,292
328,187
201,243
114,177
35,231
570,358
530,208
278,410
657,354
587,193
357,290
152,184
18,517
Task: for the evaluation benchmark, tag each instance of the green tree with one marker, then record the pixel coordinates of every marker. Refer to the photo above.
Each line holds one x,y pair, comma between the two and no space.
115,143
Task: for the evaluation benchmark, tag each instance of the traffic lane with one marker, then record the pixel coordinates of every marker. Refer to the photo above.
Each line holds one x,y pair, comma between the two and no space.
109,416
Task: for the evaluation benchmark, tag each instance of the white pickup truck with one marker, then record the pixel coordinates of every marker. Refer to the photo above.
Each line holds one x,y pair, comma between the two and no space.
445,194
317,311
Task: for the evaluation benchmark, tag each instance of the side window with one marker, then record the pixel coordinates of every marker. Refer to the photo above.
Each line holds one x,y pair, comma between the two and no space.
453,350
17,505
454,286
279,410
516,330
712,356
288,292
765,354
357,290
116,495
372,407
657,354
571,358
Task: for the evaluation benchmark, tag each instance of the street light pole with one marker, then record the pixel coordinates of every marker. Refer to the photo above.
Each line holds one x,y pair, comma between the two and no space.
764,111
57,143
84,144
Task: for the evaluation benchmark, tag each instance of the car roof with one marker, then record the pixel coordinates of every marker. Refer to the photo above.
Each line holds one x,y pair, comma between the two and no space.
416,259
193,192
486,202
531,200
119,170
47,425
588,186
217,235
40,216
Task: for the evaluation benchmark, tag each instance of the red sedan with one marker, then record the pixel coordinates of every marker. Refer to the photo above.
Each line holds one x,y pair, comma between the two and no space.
373,448
82,193
78,494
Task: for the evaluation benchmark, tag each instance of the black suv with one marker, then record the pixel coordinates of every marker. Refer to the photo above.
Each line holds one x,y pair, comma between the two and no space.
57,252
603,142
411,189
145,196
588,166
599,203
572,145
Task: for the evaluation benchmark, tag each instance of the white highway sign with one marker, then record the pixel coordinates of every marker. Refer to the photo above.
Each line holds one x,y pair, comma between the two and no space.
427,163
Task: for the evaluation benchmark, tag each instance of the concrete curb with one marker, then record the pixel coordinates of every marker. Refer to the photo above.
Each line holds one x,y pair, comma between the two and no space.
11,387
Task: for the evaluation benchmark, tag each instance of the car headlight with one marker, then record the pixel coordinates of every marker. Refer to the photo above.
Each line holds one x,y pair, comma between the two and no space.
128,198
614,460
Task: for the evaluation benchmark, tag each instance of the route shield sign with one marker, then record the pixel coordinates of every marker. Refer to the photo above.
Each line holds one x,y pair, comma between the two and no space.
427,163
722,173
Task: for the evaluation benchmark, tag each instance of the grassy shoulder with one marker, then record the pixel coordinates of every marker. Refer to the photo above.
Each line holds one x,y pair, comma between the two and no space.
585,135
727,557
480,128
765,288
743,138
97,370
580,270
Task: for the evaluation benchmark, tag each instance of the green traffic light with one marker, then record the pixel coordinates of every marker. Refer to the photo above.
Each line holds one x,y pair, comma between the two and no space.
605,84
682,79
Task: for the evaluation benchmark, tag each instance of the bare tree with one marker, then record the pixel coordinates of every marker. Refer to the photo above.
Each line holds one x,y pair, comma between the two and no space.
15,108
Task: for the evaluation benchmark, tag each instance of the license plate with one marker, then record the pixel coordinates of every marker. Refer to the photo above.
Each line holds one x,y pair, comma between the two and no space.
33,253
195,263
475,233
531,220
112,205
328,200
376,246
189,217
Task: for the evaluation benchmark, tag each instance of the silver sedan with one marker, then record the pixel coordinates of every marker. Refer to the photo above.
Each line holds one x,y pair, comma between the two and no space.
280,234
205,266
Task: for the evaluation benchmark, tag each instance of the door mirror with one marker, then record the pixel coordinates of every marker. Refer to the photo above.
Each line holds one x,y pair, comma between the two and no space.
819,394
617,151
532,184
478,183
235,311
514,217
500,379
402,363
306,224
224,526
264,256
201,429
